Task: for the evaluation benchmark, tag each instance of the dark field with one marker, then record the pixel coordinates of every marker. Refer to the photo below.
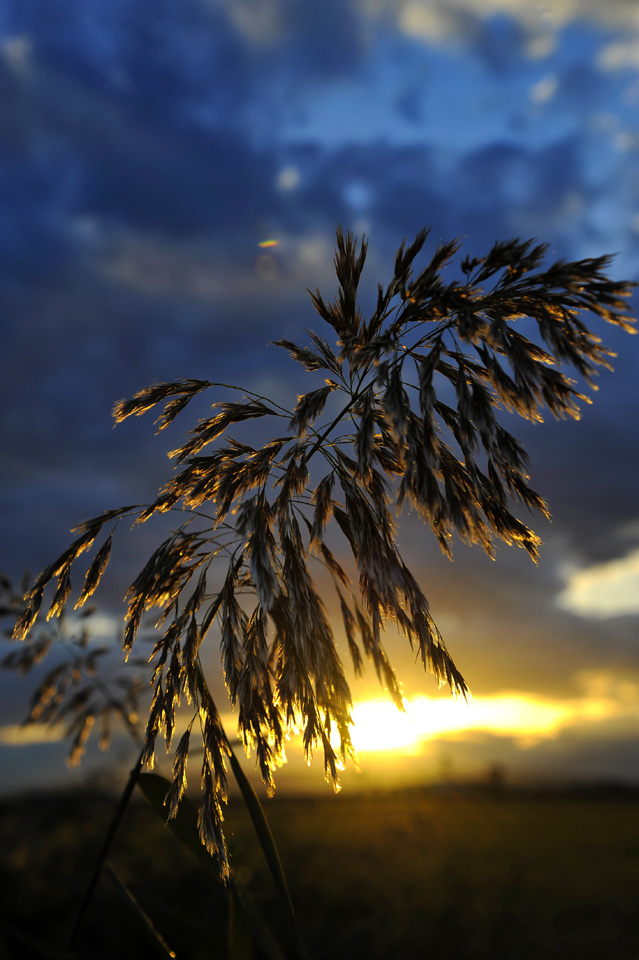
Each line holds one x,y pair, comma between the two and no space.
412,874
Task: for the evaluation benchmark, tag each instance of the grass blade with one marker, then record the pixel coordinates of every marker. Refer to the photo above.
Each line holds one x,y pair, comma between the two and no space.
269,849
239,936
184,826
103,853
158,940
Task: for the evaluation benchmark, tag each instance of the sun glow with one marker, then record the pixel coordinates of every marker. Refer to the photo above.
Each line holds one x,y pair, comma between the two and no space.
378,725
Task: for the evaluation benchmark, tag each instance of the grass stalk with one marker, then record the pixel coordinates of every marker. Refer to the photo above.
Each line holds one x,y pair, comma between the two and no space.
160,944
271,855
103,852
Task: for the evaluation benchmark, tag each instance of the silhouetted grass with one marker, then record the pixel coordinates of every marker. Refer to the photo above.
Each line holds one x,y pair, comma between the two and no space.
396,876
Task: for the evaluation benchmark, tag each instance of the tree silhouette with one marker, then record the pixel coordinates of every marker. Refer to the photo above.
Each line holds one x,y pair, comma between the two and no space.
407,413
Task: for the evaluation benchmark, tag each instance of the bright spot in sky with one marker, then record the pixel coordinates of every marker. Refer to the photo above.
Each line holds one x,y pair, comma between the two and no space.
268,243
102,627
544,89
16,52
604,590
378,725
619,55
428,22
288,178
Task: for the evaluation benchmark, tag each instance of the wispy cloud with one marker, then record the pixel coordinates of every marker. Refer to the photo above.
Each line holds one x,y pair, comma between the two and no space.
436,19
16,735
603,590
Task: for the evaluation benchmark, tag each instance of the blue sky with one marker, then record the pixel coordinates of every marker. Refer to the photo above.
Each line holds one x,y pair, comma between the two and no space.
146,150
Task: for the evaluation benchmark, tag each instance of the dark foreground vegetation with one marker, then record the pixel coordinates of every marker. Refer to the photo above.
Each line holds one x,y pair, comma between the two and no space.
454,873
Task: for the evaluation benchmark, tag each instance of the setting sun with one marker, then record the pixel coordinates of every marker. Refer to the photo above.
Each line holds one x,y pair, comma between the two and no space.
379,726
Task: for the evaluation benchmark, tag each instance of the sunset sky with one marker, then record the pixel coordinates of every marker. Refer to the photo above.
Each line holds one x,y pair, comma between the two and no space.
148,154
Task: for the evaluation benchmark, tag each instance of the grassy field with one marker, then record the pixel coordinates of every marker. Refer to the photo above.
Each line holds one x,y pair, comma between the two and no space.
456,874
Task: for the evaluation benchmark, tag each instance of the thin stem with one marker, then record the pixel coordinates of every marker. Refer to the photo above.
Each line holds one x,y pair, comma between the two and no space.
103,853
358,393
269,849
256,396
160,944
320,440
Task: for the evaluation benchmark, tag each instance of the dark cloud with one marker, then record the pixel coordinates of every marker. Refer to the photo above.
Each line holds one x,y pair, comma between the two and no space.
503,44
568,758
86,153
323,39
158,60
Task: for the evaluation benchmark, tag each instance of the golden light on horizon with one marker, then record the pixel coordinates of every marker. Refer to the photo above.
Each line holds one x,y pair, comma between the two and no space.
380,726
605,701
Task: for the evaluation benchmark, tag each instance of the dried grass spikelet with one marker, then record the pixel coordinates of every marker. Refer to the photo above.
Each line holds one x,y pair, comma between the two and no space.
424,383
70,695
